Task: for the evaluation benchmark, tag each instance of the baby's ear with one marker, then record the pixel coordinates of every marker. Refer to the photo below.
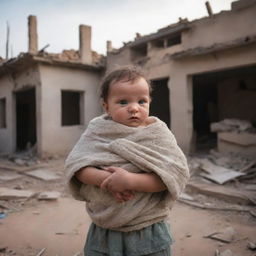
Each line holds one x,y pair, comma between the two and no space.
104,105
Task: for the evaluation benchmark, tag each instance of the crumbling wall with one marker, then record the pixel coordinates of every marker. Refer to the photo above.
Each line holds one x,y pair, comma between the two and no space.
9,84
220,28
205,33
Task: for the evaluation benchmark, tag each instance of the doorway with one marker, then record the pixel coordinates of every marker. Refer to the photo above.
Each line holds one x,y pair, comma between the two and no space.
160,105
25,119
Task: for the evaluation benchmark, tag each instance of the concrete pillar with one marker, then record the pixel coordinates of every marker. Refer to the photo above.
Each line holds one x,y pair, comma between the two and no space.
109,46
32,35
85,44
182,110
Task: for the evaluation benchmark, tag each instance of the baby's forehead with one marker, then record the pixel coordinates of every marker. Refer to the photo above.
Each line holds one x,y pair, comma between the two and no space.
137,84
127,79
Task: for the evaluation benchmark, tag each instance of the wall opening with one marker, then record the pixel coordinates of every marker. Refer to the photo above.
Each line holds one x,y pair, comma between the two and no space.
139,51
160,105
71,108
227,94
25,119
2,113
158,43
173,40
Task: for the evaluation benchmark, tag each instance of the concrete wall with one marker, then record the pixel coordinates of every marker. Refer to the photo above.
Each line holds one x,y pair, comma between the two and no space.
235,101
55,138
8,86
6,133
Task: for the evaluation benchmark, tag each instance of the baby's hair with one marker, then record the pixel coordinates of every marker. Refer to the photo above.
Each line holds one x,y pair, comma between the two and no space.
126,73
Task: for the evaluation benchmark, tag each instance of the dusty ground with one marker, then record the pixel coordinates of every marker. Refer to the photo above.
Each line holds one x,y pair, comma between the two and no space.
60,226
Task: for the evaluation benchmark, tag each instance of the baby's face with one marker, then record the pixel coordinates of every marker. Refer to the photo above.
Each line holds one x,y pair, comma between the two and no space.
128,102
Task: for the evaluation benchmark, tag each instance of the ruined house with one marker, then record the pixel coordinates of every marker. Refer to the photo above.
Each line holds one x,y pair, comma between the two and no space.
202,71
47,99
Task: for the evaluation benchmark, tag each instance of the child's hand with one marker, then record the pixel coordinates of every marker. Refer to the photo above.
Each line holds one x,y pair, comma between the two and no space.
118,181
123,196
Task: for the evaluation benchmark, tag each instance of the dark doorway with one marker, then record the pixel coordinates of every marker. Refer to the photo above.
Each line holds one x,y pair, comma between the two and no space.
25,119
205,101
160,105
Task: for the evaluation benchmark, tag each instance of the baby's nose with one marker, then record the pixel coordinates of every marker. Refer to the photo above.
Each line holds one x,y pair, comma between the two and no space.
133,107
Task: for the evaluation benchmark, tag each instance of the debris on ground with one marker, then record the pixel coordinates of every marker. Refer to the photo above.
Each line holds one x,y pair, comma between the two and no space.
236,125
6,194
23,184
226,235
235,135
251,246
224,253
43,174
228,194
41,252
234,193
49,195
217,173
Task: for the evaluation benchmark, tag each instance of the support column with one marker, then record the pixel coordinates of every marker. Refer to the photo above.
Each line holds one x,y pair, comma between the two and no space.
182,111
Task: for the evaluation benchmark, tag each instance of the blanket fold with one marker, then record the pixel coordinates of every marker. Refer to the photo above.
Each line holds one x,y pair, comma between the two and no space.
143,149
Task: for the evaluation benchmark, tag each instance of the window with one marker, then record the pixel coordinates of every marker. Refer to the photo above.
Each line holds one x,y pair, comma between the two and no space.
3,113
176,39
139,51
71,108
158,43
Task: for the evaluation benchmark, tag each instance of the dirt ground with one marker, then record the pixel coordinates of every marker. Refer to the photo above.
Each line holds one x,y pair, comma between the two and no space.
59,227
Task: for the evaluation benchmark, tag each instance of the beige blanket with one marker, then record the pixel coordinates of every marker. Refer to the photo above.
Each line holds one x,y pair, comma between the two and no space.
143,149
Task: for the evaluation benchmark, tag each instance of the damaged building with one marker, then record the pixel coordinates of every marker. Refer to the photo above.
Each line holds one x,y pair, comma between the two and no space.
202,72
46,100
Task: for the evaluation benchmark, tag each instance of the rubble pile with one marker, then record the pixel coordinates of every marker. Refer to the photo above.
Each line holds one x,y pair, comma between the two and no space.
222,182
233,125
24,179
72,56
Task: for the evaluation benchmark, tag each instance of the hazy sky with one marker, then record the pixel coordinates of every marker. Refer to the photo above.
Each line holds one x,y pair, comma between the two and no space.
115,20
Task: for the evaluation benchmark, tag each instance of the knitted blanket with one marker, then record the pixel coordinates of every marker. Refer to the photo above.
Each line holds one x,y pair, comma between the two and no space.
152,148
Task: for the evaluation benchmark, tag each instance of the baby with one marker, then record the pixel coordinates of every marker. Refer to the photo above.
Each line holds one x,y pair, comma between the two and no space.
129,170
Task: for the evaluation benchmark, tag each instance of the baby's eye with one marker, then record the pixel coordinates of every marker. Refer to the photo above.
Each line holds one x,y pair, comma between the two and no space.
141,102
123,102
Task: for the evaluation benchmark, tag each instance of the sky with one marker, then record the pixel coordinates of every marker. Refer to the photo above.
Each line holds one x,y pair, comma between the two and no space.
116,20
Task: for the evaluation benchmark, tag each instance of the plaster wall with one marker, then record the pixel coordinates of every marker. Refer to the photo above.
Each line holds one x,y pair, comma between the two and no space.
236,102
220,28
122,58
55,138
6,133
158,64
9,84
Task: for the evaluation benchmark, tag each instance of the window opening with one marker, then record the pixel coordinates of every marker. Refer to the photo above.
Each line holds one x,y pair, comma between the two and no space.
70,108
3,113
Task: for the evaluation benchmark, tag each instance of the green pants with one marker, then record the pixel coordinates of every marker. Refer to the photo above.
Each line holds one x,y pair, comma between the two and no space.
154,240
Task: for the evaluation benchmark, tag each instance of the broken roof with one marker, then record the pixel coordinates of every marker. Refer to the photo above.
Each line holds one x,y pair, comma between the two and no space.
216,47
166,31
68,58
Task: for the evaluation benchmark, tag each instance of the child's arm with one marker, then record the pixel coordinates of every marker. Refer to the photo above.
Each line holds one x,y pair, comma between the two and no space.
93,176
122,180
